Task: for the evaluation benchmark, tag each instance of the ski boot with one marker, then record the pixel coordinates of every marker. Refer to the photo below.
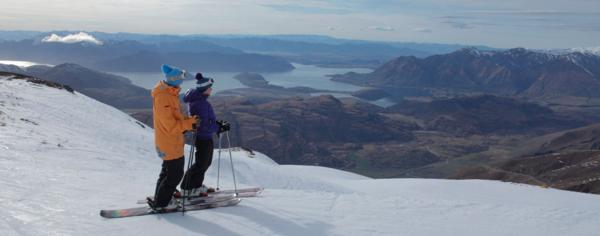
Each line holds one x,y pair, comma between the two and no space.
173,205
201,191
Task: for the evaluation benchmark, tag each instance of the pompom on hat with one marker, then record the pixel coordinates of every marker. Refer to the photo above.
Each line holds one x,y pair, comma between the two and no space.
203,83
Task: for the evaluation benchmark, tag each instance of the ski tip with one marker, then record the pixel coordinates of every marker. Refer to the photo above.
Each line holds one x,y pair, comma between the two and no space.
104,213
110,214
233,202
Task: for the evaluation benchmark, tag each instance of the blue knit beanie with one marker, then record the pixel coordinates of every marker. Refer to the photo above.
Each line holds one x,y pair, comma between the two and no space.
173,75
203,83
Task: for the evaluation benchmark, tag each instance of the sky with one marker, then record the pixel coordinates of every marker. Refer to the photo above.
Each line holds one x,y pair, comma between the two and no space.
505,23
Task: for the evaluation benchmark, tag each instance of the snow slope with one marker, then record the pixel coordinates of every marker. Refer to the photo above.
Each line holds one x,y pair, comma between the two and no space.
64,156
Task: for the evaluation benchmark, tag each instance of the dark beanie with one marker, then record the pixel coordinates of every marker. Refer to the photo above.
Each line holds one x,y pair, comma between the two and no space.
203,83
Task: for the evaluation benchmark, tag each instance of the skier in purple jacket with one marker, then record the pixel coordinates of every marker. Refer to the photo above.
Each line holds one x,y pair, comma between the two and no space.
206,129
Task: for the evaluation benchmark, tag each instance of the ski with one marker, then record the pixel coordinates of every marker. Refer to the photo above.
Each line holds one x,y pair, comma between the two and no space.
239,191
242,193
214,198
141,211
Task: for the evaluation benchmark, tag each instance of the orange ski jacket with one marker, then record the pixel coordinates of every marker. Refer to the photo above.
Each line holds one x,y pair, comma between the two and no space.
169,121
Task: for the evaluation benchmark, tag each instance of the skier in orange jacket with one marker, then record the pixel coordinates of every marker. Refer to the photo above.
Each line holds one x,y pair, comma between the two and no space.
169,125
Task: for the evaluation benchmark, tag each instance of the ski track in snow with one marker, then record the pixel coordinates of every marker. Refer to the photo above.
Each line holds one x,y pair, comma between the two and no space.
64,156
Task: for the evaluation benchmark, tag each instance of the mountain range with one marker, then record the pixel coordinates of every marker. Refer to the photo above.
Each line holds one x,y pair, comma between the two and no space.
304,49
514,72
134,56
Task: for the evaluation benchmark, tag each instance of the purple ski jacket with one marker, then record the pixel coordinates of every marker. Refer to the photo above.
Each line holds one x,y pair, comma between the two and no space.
199,106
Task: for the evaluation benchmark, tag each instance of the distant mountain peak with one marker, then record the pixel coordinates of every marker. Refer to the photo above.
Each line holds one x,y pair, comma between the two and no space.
589,50
579,50
470,50
517,51
73,68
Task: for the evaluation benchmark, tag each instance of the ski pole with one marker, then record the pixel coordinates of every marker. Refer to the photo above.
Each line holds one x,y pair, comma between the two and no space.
186,192
219,162
231,160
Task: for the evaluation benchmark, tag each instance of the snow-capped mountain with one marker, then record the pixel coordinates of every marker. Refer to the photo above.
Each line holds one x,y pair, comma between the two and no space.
517,71
589,50
64,156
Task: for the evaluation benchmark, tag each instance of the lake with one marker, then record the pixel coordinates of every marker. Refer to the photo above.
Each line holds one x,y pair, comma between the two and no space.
304,75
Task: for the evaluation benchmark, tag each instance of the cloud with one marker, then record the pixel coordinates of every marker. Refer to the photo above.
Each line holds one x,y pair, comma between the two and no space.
455,17
382,28
537,12
294,8
458,25
81,37
584,21
423,30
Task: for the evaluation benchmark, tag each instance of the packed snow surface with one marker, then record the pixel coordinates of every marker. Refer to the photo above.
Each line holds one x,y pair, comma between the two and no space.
64,157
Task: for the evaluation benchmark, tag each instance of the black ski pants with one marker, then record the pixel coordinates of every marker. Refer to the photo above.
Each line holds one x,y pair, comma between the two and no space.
170,176
204,155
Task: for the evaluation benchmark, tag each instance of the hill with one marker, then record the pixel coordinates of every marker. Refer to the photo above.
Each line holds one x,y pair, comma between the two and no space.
309,130
566,160
485,114
585,138
111,89
575,171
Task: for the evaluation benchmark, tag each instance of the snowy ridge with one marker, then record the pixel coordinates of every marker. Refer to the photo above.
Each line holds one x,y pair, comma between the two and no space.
539,56
64,156
590,50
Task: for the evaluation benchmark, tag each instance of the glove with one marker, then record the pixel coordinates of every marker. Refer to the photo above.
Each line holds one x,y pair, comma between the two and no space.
195,122
224,126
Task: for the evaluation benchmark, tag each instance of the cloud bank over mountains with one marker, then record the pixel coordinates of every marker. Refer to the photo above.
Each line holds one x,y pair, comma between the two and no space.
80,37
